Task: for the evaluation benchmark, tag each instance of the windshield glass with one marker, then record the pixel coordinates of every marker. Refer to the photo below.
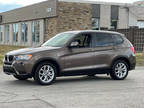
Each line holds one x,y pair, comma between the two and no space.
59,40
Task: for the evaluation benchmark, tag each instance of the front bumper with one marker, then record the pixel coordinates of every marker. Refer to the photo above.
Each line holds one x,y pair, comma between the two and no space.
16,68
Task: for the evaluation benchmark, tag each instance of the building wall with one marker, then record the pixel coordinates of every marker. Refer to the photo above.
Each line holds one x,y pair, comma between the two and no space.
105,16
50,28
71,16
74,16
56,17
123,18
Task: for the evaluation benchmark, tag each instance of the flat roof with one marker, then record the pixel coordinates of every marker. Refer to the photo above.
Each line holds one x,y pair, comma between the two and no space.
96,2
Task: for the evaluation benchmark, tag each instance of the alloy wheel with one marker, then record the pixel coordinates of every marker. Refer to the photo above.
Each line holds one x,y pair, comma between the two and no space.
46,73
121,70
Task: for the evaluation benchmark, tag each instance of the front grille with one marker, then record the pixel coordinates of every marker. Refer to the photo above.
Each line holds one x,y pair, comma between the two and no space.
9,58
7,63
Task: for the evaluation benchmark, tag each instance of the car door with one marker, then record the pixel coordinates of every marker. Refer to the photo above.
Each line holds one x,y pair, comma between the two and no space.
102,44
79,58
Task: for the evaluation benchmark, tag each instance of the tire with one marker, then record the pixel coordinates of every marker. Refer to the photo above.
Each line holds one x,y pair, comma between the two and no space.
21,77
119,70
45,73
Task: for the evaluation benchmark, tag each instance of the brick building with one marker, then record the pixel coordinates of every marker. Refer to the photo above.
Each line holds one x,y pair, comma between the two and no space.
32,25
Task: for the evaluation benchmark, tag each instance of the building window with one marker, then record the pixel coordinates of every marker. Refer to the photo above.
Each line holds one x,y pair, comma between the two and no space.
35,31
96,16
1,37
95,23
114,16
24,32
6,33
114,24
140,24
15,32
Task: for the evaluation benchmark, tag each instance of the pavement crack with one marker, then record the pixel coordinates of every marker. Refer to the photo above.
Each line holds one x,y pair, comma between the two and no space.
7,92
27,100
48,103
12,96
53,106
20,101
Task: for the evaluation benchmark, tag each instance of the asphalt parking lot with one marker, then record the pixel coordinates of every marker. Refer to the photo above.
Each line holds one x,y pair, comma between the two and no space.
74,92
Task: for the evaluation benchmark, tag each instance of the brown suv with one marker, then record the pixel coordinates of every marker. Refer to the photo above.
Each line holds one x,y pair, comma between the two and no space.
73,53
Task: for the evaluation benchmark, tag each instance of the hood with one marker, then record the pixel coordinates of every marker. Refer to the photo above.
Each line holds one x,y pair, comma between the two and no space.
31,50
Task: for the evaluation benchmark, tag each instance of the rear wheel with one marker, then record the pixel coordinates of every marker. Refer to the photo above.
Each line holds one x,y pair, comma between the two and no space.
119,70
21,77
45,73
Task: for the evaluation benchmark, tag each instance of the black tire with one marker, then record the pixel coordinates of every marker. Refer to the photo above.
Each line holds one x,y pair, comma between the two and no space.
21,77
115,75
37,73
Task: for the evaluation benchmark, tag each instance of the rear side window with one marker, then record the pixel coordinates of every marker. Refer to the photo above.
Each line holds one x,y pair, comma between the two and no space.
117,39
102,39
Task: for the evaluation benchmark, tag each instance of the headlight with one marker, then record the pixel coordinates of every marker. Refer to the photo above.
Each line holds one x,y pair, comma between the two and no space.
23,57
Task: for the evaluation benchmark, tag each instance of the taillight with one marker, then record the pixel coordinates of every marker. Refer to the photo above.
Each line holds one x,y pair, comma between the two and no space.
132,49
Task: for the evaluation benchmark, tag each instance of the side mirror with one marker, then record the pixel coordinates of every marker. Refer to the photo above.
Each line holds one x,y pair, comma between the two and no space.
74,44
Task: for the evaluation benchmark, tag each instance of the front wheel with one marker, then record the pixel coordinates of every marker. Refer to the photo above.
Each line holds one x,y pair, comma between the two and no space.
119,70
45,73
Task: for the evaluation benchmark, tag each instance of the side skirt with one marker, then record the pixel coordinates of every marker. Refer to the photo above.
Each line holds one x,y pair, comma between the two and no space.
85,72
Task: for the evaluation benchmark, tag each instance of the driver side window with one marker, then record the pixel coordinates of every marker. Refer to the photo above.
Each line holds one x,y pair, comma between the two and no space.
84,40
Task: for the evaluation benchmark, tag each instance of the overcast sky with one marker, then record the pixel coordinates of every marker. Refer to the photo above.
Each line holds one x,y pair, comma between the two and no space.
6,5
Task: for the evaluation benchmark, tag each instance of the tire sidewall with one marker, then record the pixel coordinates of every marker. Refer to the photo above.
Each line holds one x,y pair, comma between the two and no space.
113,74
36,76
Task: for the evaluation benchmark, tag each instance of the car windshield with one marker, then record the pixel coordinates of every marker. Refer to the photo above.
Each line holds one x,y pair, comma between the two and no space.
59,40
